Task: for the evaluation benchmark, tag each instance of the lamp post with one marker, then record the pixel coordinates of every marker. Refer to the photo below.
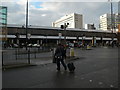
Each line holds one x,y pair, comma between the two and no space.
64,27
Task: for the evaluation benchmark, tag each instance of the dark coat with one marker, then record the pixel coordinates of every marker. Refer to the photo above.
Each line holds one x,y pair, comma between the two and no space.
61,51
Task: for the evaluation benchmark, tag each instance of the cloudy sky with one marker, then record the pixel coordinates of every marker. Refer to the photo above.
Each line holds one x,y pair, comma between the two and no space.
43,13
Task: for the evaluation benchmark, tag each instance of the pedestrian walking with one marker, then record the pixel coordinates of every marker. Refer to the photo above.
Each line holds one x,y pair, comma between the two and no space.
60,55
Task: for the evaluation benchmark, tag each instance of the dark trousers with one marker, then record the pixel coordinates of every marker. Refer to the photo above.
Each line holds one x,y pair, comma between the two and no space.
62,62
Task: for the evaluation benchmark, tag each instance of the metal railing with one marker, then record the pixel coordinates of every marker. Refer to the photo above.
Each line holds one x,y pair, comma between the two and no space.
21,55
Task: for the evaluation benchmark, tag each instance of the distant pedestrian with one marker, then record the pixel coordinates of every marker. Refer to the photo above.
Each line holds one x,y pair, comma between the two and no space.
60,54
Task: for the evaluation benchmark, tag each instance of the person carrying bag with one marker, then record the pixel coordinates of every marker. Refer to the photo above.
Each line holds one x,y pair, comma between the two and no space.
59,57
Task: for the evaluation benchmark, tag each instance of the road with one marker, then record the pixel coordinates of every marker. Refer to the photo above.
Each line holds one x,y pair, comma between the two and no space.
96,68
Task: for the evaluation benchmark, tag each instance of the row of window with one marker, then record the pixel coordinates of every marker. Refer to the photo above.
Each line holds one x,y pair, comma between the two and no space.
3,9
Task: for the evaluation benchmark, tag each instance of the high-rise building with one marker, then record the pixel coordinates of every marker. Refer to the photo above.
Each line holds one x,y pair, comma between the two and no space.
105,22
74,20
3,23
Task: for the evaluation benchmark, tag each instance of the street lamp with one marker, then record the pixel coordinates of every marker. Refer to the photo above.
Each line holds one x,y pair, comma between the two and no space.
64,27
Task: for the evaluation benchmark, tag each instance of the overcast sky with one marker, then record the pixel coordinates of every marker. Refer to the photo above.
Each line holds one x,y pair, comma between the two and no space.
43,13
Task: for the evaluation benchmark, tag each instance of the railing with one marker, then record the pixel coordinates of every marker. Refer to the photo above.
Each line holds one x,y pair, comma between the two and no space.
20,55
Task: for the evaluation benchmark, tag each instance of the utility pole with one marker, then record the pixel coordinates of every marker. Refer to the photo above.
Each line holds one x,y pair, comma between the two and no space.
28,50
27,25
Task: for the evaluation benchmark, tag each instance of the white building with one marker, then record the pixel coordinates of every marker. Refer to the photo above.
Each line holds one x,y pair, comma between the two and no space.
105,22
89,26
74,20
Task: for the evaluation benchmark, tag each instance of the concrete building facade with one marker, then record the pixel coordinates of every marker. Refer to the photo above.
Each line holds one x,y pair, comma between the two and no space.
74,20
105,22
